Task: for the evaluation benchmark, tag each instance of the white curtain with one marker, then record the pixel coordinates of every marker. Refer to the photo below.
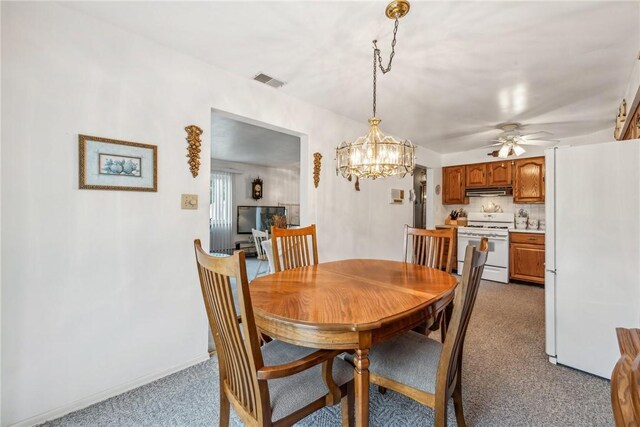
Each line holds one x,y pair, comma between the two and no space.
220,214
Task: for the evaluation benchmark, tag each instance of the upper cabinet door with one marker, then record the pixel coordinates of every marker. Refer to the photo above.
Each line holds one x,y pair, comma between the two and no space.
453,186
477,175
499,174
528,180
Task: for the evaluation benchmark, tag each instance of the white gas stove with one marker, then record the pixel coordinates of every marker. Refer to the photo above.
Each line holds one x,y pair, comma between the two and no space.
495,227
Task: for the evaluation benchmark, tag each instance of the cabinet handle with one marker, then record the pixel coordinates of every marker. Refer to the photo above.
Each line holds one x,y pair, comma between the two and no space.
532,238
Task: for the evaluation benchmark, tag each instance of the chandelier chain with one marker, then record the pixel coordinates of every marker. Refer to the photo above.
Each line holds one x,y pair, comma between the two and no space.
386,69
377,56
374,82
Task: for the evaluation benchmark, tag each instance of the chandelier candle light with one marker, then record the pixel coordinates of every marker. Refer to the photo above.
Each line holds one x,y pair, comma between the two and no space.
378,155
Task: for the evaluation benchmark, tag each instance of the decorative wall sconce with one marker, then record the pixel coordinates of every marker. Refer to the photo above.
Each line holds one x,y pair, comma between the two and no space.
256,189
317,157
193,149
620,119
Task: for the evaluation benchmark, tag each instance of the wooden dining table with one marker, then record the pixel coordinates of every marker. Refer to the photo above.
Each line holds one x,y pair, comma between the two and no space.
349,305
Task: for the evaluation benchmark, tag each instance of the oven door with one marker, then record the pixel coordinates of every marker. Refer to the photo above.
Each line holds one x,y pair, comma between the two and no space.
498,247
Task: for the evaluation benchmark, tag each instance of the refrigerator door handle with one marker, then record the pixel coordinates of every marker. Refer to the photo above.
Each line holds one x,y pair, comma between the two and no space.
551,271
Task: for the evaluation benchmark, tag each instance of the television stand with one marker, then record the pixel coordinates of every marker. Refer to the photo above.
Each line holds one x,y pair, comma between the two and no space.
247,246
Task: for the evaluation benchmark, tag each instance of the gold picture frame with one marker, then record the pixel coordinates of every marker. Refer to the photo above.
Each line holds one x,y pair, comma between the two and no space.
111,164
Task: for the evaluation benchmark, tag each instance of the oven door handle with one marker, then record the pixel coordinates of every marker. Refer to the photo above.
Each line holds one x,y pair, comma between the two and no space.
489,236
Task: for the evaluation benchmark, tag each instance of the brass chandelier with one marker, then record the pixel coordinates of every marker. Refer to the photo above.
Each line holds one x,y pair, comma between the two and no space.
376,155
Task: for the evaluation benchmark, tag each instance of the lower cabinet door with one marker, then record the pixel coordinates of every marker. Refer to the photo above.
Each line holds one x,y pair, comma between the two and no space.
527,263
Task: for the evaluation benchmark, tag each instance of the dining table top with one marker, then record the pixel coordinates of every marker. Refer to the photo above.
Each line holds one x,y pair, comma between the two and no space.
353,294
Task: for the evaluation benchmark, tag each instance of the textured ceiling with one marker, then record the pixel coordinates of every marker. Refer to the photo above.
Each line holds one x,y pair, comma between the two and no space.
460,69
240,142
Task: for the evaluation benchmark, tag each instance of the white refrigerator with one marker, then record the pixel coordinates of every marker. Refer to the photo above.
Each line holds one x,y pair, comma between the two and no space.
592,278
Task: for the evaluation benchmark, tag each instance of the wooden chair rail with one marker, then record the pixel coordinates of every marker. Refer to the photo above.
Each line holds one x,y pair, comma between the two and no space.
279,371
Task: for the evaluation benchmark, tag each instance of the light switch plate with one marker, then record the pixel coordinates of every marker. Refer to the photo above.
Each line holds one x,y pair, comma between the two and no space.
189,201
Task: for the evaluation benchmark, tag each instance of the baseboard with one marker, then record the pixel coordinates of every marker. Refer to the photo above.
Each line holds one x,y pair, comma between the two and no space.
103,395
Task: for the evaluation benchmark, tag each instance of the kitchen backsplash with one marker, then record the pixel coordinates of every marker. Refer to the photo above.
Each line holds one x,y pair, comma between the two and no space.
536,210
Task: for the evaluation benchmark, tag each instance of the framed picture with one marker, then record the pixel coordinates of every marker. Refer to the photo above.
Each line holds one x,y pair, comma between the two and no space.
109,164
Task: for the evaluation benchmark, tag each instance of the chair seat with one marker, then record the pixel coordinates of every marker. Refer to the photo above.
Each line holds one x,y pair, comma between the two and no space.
297,391
411,359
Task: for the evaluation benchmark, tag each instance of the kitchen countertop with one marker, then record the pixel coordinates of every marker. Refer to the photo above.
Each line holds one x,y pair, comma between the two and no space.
518,230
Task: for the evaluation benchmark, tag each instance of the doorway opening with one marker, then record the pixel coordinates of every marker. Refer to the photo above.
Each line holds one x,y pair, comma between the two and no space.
420,197
255,174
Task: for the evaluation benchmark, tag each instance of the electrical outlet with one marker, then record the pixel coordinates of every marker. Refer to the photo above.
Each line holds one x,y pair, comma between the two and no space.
189,201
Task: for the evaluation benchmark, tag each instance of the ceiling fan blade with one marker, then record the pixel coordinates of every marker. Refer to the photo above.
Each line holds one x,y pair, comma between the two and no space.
527,135
559,123
539,142
492,145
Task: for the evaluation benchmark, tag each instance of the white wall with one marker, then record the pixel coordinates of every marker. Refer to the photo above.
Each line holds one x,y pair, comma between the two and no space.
0,220
280,185
99,287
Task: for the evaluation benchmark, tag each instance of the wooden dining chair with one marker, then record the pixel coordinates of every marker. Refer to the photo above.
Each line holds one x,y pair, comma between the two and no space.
625,391
277,384
258,238
628,341
625,386
291,247
430,248
424,369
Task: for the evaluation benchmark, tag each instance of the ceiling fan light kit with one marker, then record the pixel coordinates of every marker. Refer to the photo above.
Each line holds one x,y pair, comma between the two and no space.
376,155
511,141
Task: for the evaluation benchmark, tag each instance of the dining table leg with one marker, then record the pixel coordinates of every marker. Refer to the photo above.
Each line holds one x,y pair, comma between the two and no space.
361,382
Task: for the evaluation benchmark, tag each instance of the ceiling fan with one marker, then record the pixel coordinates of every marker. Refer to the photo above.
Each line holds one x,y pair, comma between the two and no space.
511,141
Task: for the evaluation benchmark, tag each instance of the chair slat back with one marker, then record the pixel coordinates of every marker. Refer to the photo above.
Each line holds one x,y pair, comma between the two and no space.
451,357
238,351
430,248
258,238
625,392
294,245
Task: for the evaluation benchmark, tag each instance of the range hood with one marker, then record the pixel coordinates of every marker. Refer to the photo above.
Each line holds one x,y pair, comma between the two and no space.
487,192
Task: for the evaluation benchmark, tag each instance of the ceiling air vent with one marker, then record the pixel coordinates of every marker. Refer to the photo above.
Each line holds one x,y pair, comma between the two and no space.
268,80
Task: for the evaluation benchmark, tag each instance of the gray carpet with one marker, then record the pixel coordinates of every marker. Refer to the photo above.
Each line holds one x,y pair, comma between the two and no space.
507,381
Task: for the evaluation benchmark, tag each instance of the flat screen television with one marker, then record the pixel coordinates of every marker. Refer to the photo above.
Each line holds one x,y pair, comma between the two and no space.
258,217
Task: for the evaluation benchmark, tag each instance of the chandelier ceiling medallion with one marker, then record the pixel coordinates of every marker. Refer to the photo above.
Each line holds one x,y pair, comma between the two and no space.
375,154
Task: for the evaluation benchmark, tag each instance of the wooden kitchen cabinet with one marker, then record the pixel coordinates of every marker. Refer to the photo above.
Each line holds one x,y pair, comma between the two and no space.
499,174
528,180
453,186
476,175
526,257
